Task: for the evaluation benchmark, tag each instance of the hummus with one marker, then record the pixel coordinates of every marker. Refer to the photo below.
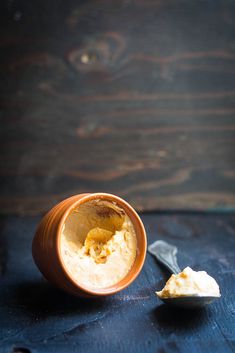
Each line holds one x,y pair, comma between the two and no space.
189,282
98,244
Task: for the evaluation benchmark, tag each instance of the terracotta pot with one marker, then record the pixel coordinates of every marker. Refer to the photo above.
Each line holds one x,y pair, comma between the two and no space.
47,253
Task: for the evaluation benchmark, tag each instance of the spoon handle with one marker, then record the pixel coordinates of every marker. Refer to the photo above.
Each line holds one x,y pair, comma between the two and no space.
166,254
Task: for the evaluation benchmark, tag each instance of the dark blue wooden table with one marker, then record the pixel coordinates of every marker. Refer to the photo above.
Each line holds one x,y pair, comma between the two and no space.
38,318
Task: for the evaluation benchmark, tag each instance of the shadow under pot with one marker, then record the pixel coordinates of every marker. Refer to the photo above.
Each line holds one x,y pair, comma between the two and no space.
90,245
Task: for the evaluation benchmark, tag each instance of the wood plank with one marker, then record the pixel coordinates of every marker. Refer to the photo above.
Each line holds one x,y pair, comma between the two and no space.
135,99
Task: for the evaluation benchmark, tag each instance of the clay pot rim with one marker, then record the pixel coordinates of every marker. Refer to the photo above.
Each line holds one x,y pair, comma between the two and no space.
142,254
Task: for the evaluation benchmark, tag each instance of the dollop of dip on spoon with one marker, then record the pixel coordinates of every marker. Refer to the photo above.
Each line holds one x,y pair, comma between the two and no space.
190,283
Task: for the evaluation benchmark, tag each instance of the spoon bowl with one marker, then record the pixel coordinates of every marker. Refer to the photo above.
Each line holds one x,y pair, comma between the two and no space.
189,302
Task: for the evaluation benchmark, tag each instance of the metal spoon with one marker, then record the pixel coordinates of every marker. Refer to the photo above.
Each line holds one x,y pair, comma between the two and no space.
166,254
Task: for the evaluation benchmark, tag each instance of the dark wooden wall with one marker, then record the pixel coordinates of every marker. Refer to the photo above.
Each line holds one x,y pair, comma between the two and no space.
135,98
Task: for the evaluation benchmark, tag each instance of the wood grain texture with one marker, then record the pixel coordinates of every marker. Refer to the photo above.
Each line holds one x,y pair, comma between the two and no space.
38,317
133,98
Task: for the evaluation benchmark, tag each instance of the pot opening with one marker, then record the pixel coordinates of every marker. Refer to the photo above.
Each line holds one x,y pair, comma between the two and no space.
98,244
